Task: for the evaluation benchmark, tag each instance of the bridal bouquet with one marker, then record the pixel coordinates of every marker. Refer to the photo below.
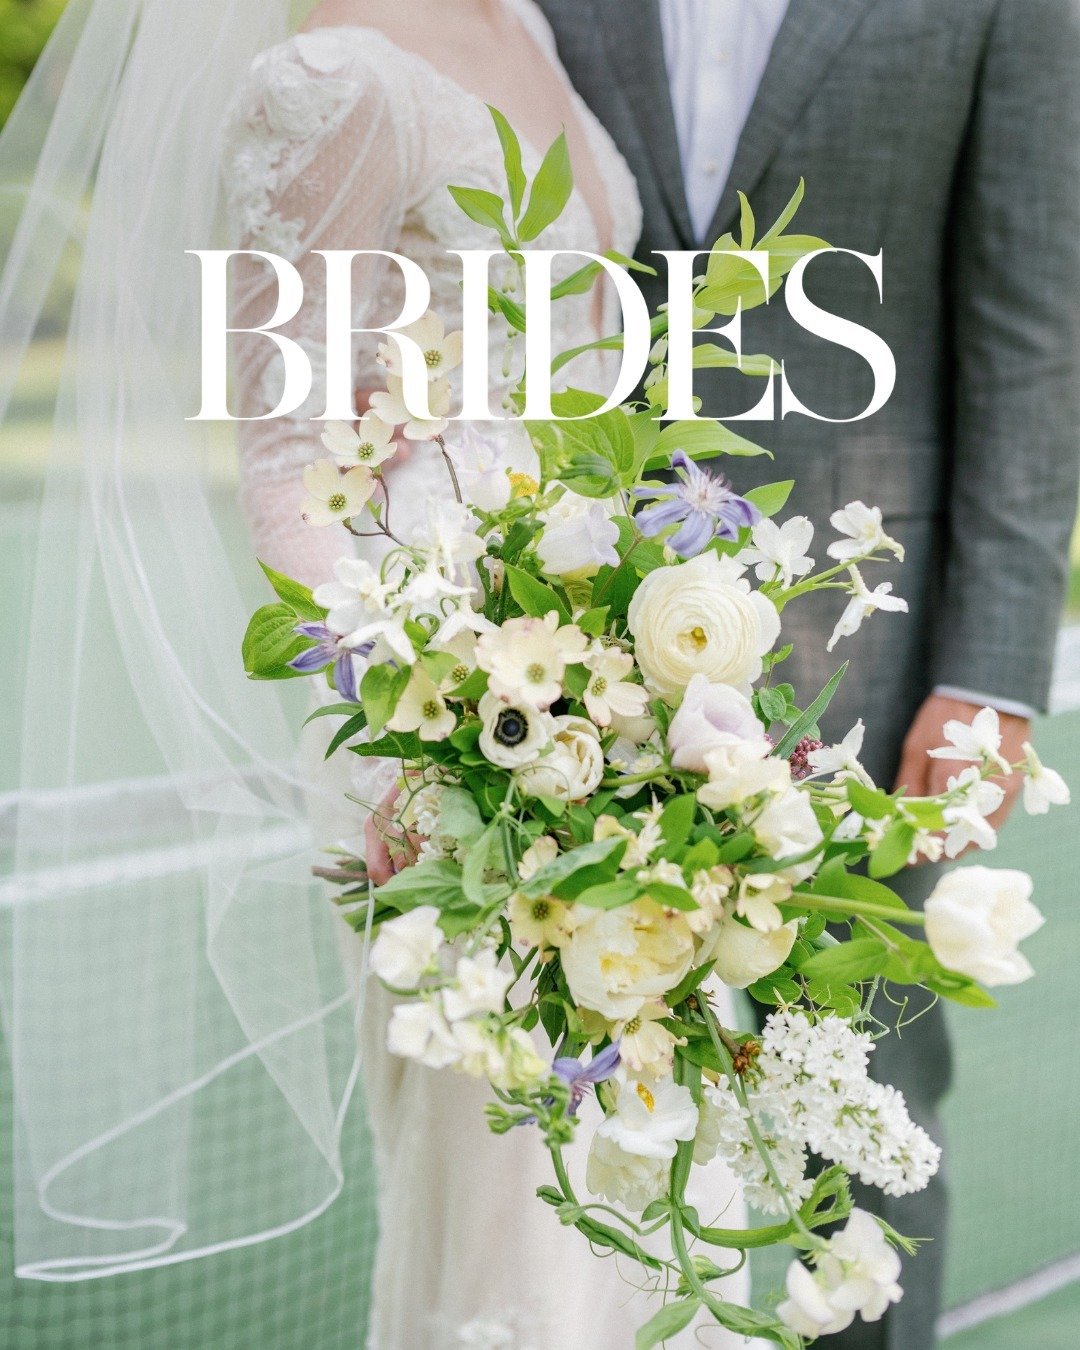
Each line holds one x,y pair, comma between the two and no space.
610,803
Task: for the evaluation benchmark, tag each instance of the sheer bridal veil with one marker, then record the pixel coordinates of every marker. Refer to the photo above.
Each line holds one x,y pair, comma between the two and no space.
180,1029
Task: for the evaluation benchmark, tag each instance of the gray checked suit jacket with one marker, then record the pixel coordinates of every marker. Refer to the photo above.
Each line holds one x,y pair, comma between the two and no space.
947,133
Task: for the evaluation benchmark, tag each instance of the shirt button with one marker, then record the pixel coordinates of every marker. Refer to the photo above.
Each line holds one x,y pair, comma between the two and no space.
710,167
723,58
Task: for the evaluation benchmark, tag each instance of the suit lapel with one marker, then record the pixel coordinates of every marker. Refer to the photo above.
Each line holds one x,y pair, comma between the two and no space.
634,39
811,35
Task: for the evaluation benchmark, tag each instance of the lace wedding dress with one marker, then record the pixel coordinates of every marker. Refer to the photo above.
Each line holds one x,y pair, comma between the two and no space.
341,139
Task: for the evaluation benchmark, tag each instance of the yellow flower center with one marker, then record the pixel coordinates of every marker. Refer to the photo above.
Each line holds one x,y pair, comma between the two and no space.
599,686
431,709
523,486
698,638
646,1096
460,673
366,450
540,910
632,1027
337,501
433,358
535,672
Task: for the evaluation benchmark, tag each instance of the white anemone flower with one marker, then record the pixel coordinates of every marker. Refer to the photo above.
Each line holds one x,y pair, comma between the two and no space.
780,550
1043,787
608,691
978,741
334,496
512,734
390,406
423,709
526,658
367,445
862,604
862,527
442,351
651,1119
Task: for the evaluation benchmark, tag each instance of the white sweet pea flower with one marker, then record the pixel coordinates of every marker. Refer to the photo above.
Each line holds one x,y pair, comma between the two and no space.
423,709
976,917
334,496
635,730
1043,787
356,591
624,1178
842,757
578,538
979,741
966,819
405,948
608,690
419,1031
856,1274
780,550
367,445
442,351
651,1120
740,770
448,535
390,407
862,526
526,658
479,987
862,604
709,717
572,768
512,734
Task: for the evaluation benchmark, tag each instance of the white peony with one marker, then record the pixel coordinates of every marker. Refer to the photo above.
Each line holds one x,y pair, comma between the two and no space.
710,716
512,734
579,537
623,1178
976,917
616,960
572,768
700,617
651,1119
404,950
479,987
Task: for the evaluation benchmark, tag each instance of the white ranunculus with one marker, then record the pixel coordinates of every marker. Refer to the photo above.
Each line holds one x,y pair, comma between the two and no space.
700,617
709,716
651,1119
406,946
786,827
572,768
623,1178
579,537
976,917
512,734
419,1031
479,987
743,955
616,960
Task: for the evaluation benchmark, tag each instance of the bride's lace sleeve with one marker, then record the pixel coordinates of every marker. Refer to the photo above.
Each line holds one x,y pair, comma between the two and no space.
318,156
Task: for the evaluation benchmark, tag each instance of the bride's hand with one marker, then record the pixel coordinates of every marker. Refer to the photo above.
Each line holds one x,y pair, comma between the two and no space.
388,847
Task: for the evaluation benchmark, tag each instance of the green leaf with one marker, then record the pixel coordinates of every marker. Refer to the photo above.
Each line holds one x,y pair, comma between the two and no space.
593,454
550,191
381,689
347,730
485,208
871,803
511,148
671,896
775,989
705,439
427,883
476,861
331,710
603,855
747,224
677,819
802,725
594,621
667,1322
535,598
293,594
772,703
848,962
459,816
771,498
610,894
271,642
892,854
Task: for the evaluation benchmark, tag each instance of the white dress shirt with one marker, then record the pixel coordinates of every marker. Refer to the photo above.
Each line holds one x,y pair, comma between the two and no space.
716,52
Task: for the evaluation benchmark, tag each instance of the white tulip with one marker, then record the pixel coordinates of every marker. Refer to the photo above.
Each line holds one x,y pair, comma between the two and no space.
976,917
579,537
743,955
709,716
573,767
404,950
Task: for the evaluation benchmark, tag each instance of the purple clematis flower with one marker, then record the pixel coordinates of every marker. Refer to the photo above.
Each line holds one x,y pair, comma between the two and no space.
581,1077
704,502
328,650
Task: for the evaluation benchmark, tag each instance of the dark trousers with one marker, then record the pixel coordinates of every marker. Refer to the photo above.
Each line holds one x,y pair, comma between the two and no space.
918,1061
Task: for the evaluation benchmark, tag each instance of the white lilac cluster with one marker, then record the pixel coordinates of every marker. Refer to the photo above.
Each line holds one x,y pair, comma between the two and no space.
811,1090
856,1274
454,1022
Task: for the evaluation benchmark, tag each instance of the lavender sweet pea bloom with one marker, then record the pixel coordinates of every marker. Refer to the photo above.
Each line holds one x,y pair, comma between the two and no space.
328,650
702,501
581,1077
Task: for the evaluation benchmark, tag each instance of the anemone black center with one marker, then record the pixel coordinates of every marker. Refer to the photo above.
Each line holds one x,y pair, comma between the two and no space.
511,727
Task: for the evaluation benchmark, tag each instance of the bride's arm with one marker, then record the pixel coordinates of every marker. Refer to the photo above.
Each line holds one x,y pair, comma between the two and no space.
318,161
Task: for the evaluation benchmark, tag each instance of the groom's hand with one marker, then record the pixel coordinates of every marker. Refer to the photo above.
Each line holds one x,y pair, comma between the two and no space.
925,777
